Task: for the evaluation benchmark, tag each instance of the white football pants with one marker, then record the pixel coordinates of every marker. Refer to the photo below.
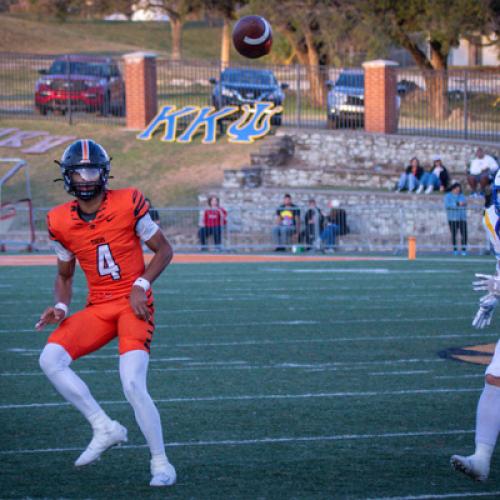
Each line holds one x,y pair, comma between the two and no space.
55,361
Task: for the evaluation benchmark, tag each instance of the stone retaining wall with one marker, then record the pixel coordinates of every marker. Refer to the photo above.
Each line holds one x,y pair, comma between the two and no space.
355,150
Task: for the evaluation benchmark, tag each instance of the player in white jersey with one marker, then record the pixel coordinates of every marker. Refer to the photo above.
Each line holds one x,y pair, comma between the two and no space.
477,465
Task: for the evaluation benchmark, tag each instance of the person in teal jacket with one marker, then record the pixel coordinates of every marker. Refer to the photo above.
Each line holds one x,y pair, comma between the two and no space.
456,211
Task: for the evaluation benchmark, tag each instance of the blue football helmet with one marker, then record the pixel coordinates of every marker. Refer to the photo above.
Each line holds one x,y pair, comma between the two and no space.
91,162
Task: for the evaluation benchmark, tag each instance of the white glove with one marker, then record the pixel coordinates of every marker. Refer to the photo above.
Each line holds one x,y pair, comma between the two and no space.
488,283
487,305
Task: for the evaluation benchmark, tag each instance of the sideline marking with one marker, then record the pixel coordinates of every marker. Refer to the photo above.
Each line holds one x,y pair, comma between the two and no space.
230,442
259,397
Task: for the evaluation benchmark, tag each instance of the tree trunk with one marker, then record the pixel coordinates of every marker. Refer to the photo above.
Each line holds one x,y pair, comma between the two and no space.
226,44
315,74
176,26
438,88
436,82
434,73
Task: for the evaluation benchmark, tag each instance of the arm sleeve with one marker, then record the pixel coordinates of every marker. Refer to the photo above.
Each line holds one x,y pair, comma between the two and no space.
62,253
448,202
146,228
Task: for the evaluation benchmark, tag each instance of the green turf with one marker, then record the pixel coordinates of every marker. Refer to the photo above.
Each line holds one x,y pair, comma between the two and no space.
291,380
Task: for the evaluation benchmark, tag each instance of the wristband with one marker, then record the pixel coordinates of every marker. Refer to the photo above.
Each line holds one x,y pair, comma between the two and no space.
63,307
143,283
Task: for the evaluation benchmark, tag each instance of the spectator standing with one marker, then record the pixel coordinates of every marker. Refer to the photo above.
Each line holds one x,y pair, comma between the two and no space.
456,211
287,223
314,221
410,179
213,222
437,178
481,172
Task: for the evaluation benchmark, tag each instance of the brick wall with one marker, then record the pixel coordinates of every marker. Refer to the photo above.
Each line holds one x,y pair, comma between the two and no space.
140,89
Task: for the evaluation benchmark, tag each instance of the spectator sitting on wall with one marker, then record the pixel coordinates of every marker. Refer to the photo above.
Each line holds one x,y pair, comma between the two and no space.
339,216
153,213
456,211
437,178
213,221
410,179
332,229
314,221
482,170
287,223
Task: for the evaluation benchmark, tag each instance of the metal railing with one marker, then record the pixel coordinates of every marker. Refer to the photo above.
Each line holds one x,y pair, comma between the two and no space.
352,229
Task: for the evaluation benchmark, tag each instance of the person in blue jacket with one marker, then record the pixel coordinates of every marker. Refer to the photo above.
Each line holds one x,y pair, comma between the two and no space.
456,211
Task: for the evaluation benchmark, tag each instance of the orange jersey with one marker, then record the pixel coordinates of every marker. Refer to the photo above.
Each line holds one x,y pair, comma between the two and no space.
107,248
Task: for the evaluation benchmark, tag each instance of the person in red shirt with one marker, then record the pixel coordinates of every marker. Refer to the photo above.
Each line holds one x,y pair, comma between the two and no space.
103,229
213,222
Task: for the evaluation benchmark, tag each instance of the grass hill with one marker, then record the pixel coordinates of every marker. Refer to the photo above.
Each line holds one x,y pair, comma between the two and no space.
170,174
29,35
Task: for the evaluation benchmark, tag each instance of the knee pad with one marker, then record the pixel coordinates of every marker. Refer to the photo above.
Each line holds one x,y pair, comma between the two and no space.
54,358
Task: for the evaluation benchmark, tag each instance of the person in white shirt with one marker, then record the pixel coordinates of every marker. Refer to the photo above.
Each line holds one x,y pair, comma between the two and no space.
482,170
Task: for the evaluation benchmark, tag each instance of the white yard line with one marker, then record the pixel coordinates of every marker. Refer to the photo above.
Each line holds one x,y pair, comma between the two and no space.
278,440
304,322
261,397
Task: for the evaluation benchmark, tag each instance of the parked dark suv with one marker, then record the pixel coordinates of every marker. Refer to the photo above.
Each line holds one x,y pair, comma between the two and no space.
239,86
85,83
346,100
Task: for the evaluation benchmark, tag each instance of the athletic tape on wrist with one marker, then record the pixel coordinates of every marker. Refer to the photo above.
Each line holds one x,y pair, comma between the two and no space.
63,307
143,283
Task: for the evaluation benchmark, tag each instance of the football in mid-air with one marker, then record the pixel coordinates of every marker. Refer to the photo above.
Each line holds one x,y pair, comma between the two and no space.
252,36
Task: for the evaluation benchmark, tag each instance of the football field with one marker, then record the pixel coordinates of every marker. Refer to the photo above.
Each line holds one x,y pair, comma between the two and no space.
273,380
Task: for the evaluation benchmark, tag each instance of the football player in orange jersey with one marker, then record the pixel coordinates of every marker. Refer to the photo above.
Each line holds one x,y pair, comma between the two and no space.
103,229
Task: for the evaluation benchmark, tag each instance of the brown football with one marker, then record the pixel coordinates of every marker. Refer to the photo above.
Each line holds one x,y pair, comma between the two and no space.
252,36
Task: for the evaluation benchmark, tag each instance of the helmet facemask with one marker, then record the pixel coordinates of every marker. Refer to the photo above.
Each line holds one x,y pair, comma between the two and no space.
93,180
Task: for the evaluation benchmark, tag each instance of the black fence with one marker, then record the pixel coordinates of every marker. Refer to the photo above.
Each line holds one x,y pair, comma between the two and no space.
461,104
457,103
70,88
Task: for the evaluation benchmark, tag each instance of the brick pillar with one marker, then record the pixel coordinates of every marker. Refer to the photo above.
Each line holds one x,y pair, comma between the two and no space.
381,100
140,89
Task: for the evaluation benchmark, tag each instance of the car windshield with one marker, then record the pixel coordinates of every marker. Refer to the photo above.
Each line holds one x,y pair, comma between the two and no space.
79,68
350,80
248,76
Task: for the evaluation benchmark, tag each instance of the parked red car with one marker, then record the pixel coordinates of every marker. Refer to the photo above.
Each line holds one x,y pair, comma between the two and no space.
83,82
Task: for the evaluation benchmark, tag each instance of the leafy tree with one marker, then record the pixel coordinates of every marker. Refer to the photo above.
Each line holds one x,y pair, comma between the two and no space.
442,22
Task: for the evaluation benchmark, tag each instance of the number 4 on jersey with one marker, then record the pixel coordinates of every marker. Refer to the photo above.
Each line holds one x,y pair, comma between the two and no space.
105,262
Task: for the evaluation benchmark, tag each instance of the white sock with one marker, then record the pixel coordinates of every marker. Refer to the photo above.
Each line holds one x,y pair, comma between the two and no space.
133,374
54,361
483,452
99,421
487,421
159,460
